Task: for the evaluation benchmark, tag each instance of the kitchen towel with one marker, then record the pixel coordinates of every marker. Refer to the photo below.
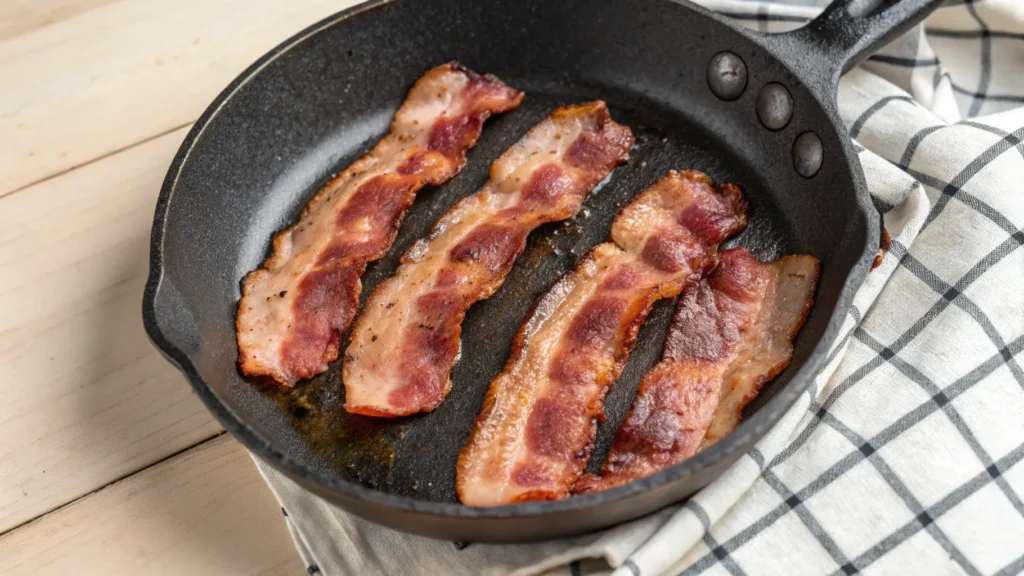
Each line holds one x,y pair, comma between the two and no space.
905,456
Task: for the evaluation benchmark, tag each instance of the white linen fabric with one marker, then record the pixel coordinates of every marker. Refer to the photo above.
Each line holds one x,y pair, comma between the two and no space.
905,455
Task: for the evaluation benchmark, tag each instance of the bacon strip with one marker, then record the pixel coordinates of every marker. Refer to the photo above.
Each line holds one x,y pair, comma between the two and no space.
295,307
537,427
731,333
406,340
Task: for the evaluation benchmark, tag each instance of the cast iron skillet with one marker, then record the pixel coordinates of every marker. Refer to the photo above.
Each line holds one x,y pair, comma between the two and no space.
321,99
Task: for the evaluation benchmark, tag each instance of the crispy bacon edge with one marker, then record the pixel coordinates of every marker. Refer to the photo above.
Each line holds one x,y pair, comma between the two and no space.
588,160
639,449
542,309
452,137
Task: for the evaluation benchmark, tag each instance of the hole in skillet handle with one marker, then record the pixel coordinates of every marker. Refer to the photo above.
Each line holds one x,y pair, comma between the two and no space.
861,8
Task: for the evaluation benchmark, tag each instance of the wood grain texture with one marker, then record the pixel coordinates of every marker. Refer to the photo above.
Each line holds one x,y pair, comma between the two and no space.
87,399
95,97
21,16
121,73
206,511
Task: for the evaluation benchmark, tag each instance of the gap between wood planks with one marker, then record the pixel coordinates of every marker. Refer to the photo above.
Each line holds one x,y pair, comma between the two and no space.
74,88
104,403
76,93
94,160
43,515
205,511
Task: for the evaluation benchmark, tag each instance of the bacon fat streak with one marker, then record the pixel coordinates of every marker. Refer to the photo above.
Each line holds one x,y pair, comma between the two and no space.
731,333
537,427
295,307
406,340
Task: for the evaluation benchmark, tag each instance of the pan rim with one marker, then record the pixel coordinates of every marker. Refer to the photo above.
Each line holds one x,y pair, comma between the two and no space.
765,418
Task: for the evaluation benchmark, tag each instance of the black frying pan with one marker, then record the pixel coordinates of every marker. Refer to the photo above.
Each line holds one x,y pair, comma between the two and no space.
763,116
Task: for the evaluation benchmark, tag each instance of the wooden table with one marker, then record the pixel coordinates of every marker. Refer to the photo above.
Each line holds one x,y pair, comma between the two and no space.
108,463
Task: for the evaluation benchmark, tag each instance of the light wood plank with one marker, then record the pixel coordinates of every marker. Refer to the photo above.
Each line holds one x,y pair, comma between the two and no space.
206,511
113,76
86,398
20,16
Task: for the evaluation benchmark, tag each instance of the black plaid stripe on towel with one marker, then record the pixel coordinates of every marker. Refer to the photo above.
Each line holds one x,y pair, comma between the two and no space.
905,455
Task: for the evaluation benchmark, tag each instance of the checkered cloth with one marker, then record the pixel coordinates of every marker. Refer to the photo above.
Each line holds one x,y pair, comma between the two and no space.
904,457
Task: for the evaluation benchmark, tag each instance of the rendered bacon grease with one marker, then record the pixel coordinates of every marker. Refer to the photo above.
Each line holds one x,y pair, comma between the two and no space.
731,333
537,427
295,307
406,340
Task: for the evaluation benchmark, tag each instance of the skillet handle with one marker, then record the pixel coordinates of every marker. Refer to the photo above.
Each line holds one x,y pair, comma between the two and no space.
847,31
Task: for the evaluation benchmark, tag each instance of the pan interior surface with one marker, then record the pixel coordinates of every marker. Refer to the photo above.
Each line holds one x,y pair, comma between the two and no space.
415,456
325,100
